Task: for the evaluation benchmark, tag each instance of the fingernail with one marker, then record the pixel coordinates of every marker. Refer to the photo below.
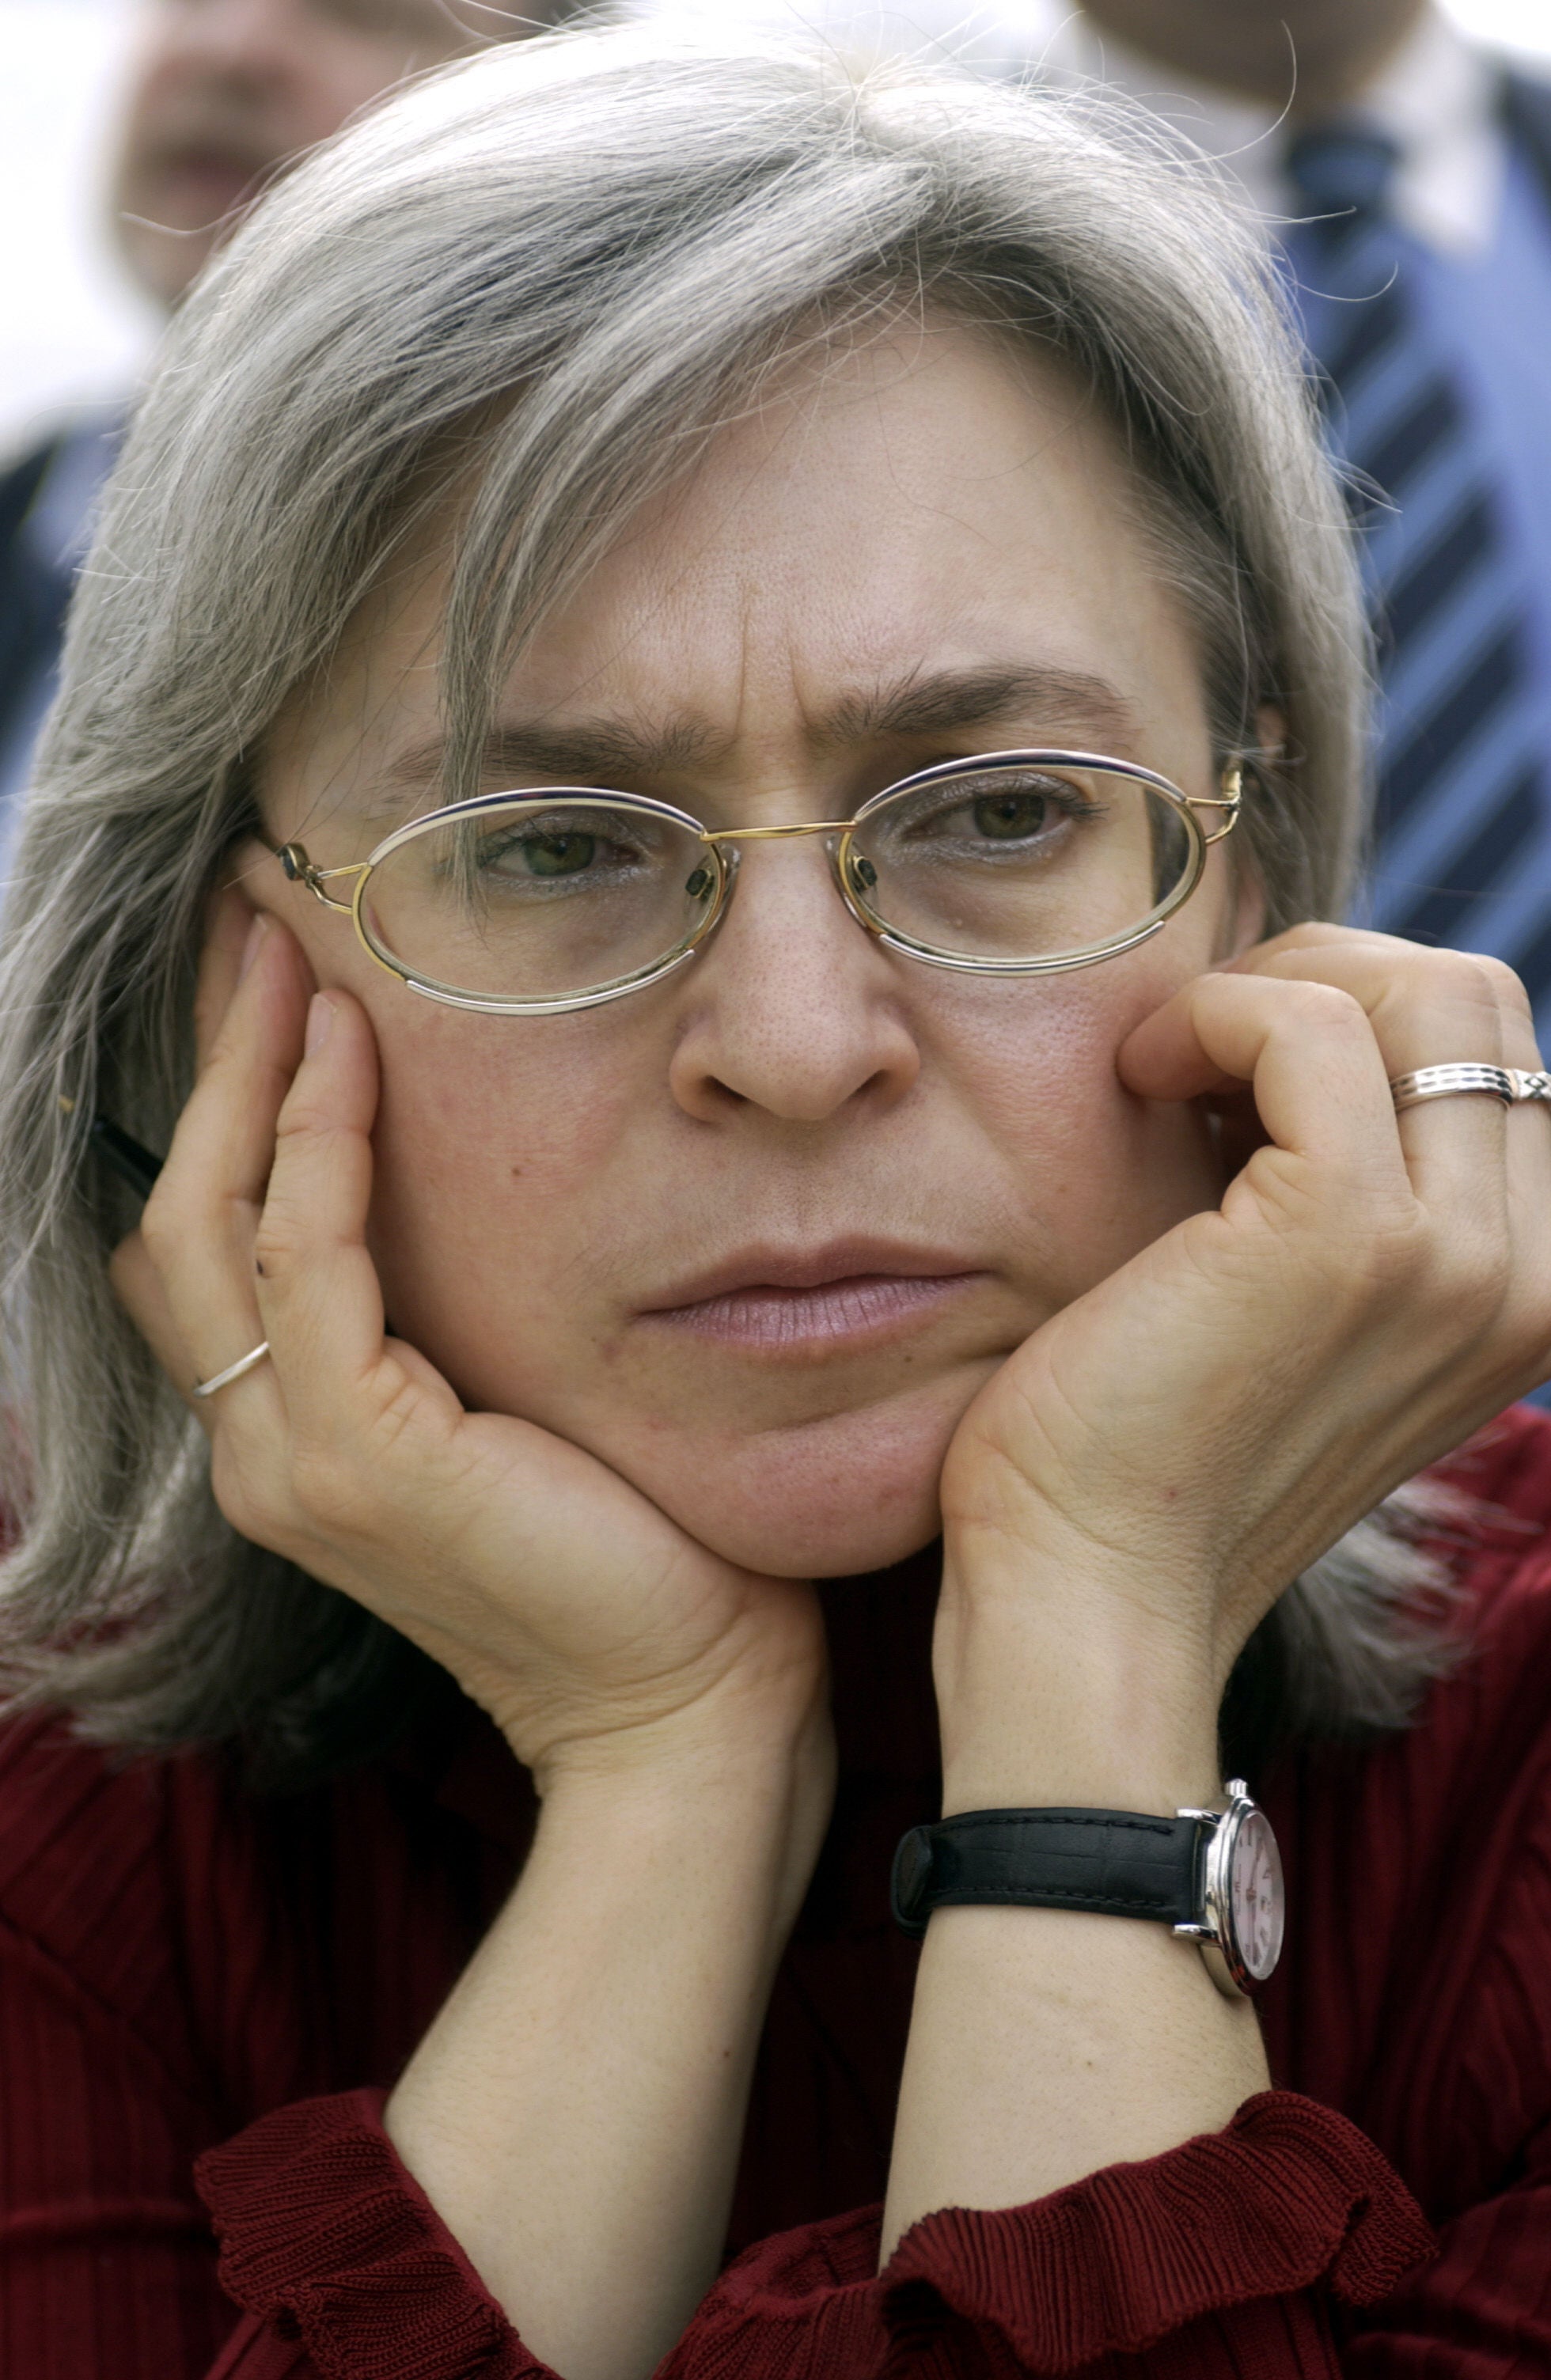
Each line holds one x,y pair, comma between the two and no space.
255,933
320,1023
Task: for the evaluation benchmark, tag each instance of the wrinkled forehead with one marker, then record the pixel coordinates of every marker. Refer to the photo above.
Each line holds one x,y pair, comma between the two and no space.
927,548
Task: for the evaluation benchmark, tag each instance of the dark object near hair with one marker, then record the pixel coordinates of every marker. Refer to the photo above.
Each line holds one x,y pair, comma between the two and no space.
125,1157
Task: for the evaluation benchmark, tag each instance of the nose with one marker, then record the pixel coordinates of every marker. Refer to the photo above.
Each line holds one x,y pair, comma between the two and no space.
792,1009
246,39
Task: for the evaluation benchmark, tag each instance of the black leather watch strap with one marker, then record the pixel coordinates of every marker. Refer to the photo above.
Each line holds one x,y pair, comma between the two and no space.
1113,1863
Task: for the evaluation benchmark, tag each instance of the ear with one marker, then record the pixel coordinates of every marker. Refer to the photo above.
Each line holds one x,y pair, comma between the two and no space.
1271,729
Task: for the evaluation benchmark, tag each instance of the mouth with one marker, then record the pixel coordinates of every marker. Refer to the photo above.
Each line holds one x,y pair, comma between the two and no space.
849,1296
198,183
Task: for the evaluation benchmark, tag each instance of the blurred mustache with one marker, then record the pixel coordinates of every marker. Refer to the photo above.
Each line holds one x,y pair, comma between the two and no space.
230,140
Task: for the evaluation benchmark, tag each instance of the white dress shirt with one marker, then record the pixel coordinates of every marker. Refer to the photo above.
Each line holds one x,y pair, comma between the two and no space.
1434,97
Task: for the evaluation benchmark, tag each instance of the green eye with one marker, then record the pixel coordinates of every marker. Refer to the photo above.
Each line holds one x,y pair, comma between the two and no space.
1003,817
559,854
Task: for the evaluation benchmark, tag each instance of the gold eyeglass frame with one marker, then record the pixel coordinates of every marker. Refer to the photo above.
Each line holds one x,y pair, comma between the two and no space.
721,848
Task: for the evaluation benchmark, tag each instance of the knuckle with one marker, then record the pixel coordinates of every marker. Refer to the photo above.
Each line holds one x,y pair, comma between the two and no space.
1397,1264
128,1267
1461,976
1471,1292
305,1118
272,1249
1504,987
1328,1008
279,1238
1316,934
1471,1275
166,1226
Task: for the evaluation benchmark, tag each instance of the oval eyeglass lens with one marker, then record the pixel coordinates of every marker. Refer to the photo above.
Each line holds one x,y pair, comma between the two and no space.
1021,862
540,899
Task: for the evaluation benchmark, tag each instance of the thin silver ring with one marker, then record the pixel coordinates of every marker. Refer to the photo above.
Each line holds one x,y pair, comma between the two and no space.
1512,1084
233,1371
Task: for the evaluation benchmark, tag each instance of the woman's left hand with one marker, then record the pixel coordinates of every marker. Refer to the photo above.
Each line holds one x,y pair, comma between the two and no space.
1127,1497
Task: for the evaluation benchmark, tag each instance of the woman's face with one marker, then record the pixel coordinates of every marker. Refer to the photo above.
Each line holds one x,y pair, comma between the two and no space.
756,1234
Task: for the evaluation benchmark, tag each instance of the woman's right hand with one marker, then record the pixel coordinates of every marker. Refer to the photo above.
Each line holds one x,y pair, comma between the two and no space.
585,1622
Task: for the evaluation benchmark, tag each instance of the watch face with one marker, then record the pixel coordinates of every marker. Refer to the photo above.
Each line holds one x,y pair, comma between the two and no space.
1256,1895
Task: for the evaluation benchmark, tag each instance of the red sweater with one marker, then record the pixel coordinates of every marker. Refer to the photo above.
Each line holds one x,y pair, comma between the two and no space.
187,1974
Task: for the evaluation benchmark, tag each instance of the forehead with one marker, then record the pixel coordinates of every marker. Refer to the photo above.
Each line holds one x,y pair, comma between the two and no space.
916,500
928,508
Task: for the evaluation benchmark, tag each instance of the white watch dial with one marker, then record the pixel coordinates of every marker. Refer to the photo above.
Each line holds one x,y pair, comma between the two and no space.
1255,1890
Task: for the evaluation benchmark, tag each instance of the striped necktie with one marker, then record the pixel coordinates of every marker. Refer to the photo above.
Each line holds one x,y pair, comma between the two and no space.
1464,849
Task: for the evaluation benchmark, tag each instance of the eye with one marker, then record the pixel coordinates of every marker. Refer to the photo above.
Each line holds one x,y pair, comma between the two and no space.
1005,817
559,847
551,855
998,809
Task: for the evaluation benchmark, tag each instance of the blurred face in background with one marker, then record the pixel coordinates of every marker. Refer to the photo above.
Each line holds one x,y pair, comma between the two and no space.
1309,54
223,95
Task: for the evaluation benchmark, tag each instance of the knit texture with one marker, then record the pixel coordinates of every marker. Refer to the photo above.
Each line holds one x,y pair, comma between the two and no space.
193,1976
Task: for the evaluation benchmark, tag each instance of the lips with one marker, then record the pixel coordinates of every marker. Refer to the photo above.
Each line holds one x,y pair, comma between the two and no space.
205,180
771,1301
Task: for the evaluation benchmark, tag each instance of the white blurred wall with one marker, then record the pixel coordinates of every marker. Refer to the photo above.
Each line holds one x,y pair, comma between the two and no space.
72,330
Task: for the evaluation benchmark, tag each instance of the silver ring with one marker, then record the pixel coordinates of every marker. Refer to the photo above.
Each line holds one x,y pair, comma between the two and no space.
1510,1083
233,1371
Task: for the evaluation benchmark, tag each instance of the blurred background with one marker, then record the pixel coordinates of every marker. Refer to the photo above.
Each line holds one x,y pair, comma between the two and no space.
71,327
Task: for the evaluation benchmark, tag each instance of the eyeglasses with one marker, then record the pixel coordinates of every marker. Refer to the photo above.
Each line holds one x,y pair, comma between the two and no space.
531,903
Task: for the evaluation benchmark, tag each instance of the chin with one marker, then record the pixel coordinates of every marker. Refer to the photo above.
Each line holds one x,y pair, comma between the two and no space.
829,1499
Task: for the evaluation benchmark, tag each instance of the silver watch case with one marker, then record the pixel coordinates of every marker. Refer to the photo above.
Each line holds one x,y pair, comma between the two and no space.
1241,1912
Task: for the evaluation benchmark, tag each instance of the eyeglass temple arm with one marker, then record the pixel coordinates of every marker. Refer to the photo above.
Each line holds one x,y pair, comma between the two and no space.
293,858
1230,800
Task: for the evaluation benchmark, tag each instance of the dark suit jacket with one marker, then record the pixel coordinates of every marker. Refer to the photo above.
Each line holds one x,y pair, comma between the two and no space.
32,599
1525,108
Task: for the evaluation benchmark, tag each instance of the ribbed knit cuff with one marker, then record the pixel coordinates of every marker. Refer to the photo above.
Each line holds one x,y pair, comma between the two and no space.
327,2238
1289,2196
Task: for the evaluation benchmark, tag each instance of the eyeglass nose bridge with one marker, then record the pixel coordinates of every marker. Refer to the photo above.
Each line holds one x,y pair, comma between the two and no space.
775,833
724,846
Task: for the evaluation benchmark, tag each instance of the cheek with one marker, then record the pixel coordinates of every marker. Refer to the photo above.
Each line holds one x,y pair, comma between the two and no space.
492,1150
1092,1173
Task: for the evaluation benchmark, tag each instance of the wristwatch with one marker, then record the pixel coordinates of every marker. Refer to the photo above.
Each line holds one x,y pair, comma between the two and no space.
1214,1875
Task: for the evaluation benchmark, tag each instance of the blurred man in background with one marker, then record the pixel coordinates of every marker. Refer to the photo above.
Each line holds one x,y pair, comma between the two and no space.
221,96
1416,171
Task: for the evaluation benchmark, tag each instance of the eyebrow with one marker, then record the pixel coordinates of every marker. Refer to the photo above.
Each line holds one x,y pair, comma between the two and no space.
603,750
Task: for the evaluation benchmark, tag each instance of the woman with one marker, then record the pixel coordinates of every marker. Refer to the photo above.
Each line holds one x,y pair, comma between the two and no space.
850,1071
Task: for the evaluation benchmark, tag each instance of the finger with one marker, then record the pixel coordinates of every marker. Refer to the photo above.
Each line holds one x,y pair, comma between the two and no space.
200,1222
1520,1046
1452,1146
1483,1180
230,923
1490,977
1426,1008
318,1290
1306,1048
137,1284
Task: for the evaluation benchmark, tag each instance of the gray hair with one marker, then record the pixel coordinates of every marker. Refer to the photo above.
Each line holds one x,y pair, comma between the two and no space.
551,274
